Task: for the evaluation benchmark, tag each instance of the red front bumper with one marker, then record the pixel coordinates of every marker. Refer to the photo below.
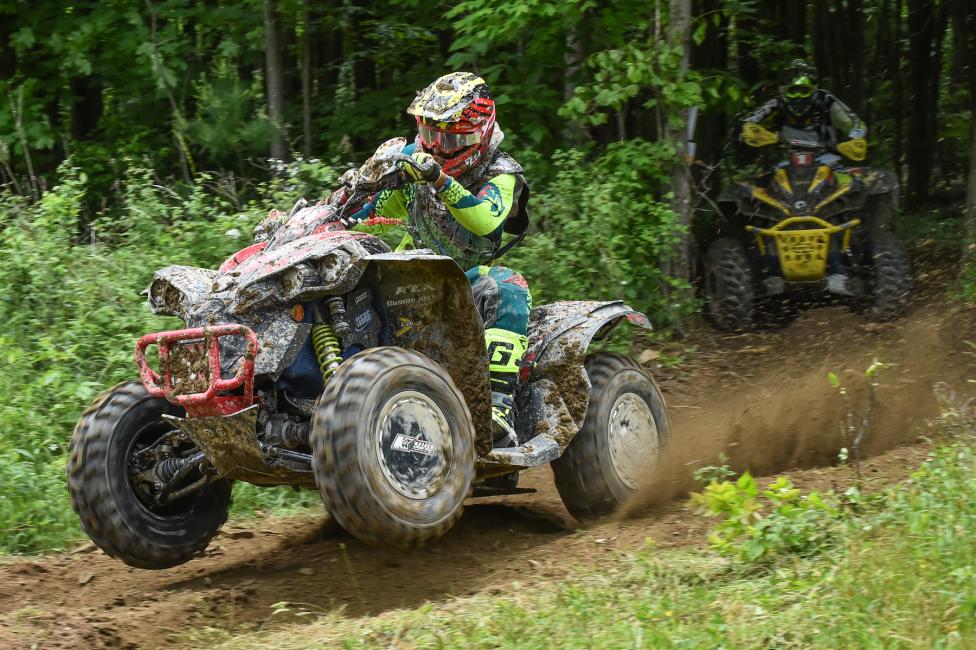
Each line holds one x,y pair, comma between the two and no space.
210,401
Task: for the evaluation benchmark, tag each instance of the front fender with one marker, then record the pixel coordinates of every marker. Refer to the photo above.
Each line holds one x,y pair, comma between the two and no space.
553,404
429,308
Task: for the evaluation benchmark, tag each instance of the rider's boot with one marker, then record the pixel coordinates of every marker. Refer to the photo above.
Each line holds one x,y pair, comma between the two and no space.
505,351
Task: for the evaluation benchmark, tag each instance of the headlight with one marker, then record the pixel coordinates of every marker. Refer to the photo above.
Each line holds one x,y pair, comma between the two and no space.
165,298
295,279
175,290
332,266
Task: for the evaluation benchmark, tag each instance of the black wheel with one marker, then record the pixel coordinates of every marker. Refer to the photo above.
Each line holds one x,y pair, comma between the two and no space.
118,448
880,209
393,447
625,429
776,312
730,295
891,277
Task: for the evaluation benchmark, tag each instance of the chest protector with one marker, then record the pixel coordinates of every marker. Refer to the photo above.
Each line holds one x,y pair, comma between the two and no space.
436,228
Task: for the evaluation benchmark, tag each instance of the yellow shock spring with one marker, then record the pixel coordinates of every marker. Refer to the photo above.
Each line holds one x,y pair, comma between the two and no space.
327,350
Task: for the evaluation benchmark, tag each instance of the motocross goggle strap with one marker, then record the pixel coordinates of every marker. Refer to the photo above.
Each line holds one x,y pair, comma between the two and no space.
445,136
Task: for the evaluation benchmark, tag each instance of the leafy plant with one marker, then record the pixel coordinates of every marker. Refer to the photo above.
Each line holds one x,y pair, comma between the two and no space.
714,473
853,430
757,526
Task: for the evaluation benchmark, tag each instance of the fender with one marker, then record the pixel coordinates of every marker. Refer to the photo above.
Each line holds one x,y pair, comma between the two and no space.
429,308
554,396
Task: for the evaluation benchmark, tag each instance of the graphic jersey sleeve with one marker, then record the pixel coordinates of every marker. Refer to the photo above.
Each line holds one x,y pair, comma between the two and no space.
845,120
763,113
485,212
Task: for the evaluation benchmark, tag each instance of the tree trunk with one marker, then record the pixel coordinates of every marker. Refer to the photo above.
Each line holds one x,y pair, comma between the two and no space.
307,82
86,106
274,81
969,223
748,67
895,57
711,55
839,47
796,24
8,57
925,29
965,23
680,265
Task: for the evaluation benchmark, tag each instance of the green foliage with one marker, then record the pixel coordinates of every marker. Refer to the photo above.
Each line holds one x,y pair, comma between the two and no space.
602,232
714,473
73,309
967,279
758,527
621,75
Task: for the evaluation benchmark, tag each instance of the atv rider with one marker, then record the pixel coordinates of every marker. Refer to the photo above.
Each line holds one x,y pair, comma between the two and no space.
803,107
464,192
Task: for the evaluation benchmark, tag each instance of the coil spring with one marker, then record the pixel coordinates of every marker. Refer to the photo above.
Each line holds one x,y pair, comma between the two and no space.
327,350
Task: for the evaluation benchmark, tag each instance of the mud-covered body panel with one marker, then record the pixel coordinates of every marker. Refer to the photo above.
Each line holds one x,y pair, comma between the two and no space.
552,405
789,191
258,291
231,444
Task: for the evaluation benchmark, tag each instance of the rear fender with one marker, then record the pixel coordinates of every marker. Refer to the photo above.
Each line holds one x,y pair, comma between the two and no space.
554,397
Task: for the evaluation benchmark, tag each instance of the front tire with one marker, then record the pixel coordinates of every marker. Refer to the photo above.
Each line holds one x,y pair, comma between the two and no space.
393,448
119,517
625,429
730,295
892,283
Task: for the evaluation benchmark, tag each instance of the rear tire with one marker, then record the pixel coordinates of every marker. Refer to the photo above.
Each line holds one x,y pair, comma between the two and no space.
617,448
730,296
117,519
393,448
892,283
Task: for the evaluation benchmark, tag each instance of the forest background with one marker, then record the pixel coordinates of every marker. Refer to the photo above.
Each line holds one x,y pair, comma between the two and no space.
135,134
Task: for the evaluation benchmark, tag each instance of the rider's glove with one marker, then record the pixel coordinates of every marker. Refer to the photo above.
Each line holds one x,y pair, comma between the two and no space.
421,168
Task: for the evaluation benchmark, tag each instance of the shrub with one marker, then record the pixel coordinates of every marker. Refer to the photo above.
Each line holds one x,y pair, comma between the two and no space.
73,308
757,527
602,233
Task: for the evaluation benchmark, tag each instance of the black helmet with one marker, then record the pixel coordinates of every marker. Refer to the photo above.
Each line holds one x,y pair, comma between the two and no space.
797,82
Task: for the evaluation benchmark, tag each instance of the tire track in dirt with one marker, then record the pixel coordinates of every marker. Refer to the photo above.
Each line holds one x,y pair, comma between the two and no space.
761,398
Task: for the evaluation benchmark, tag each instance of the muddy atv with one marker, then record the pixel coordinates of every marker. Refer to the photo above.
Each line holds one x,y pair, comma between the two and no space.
320,359
807,233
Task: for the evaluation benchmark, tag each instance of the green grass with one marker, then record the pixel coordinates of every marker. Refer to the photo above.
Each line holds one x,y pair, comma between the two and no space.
899,575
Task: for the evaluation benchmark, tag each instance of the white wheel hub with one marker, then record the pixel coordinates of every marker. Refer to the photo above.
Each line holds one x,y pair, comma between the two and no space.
634,440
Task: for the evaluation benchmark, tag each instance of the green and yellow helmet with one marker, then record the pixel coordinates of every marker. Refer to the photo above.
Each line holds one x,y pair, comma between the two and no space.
455,120
797,83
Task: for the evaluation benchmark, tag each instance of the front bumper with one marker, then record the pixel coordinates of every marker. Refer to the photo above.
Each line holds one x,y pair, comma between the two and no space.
196,368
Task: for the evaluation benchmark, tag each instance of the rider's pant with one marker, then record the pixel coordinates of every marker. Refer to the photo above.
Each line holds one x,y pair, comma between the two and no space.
502,298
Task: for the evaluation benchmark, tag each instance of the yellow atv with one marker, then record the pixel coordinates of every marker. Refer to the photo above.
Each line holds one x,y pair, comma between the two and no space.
806,233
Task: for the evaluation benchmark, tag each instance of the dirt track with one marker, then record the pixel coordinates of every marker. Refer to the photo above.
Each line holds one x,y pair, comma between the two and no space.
763,399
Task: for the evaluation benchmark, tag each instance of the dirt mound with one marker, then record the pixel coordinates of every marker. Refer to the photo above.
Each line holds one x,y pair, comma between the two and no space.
762,399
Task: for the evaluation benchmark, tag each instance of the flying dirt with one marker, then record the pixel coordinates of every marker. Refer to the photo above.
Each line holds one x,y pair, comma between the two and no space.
762,399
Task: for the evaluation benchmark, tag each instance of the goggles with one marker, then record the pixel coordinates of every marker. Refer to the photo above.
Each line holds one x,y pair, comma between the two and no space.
799,89
446,142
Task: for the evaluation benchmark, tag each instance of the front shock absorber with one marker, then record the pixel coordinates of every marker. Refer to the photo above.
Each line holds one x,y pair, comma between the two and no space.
328,352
